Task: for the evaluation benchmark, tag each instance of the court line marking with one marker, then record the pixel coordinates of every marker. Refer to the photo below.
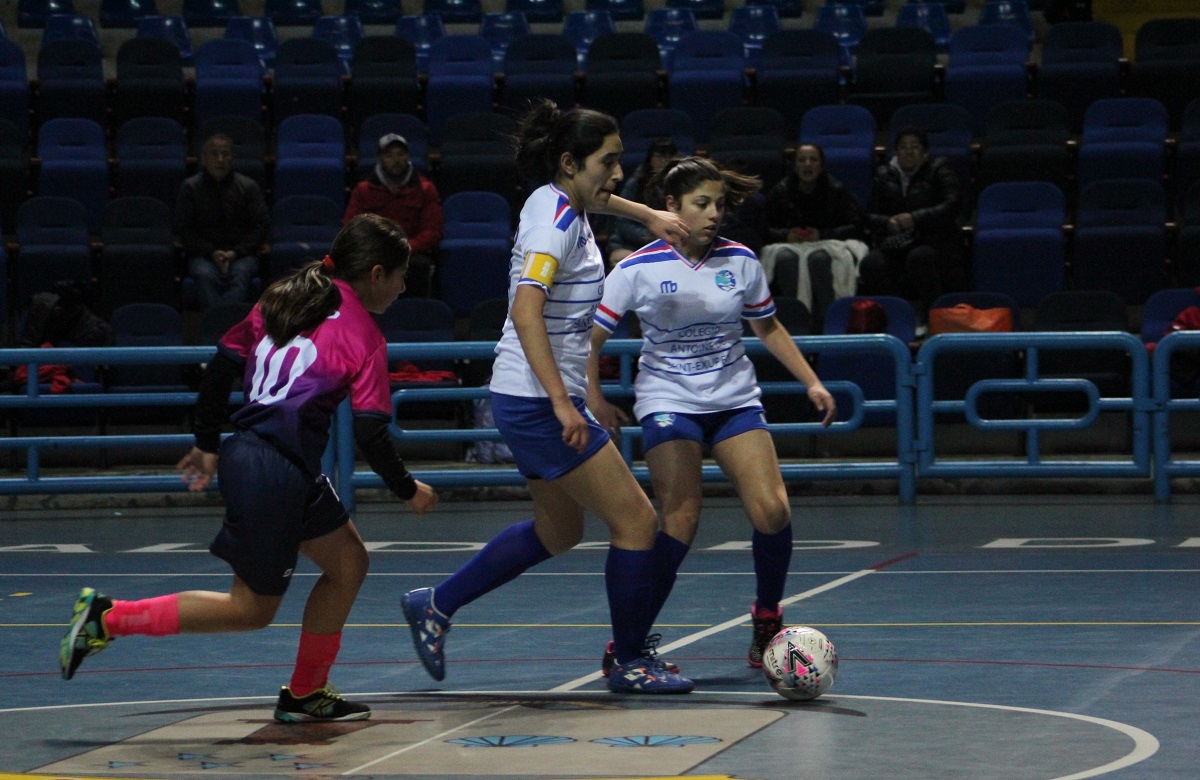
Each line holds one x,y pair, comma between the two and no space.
427,740
1145,744
728,624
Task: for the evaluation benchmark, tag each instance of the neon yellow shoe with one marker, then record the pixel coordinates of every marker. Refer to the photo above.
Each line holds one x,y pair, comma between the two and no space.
87,634
322,705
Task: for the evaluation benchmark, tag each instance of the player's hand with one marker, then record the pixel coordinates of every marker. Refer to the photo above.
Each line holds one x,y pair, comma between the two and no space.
424,500
575,427
609,416
823,400
198,469
669,227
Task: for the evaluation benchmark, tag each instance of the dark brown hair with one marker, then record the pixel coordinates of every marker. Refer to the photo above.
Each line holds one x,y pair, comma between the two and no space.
546,132
681,176
303,299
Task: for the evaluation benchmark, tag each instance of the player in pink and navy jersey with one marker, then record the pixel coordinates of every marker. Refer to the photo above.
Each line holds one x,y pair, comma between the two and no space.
308,344
539,381
696,389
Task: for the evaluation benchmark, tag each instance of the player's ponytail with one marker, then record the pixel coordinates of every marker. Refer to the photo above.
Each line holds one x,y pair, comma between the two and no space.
546,132
305,298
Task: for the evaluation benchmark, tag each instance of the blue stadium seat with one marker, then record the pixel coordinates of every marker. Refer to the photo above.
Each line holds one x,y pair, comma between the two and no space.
499,29
847,136
701,9
1019,248
151,158
1123,138
229,80
538,66
34,13
125,14
708,74
302,230
1120,242
846,22
788,9
667,26
74,164
210,13
308,79
931,17
461,80
640,128
754,24
456,11
259,31
583,27
293,13
14,85
150,80
421,32
1081,63
344,32
1011,12
53,244
384,79
620,10
137,262
798,69
169,28
986,66
374,11
310,157
537,11
475,250
622,73
71,81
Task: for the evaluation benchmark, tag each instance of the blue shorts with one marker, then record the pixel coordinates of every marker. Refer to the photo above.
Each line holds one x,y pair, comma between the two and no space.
534,435
708,428
271,507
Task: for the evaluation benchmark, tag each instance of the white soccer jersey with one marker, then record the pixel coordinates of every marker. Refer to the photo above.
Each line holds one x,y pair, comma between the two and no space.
691,314
555,250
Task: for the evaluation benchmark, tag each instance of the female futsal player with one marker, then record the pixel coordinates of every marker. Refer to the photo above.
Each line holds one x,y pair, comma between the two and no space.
308,344
537,389
696,388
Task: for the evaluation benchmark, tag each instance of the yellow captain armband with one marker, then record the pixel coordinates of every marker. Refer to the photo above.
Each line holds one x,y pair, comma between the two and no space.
540,268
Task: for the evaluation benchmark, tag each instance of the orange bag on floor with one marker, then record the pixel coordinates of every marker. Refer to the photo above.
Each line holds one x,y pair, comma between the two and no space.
964,318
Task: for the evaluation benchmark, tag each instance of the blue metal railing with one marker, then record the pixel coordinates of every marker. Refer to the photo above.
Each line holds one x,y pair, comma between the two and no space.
913,405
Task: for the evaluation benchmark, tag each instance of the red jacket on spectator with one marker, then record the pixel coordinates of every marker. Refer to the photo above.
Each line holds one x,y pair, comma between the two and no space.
416,207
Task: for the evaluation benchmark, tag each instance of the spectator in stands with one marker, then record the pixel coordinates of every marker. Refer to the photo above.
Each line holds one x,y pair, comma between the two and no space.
396,190
221,219
913,217
815,228
627,235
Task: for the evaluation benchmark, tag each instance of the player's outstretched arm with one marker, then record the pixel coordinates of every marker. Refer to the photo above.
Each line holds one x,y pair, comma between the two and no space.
379,448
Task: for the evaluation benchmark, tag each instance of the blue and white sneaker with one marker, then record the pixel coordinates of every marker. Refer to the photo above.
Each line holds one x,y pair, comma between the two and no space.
429,629
647,675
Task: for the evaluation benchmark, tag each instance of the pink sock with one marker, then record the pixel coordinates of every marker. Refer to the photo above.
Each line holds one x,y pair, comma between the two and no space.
151,617
316,654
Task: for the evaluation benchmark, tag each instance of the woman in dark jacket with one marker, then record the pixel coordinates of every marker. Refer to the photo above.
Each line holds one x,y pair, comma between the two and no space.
913,218
805,207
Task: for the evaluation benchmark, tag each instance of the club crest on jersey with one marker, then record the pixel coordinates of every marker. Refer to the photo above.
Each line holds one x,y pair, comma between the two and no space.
726,280
664,419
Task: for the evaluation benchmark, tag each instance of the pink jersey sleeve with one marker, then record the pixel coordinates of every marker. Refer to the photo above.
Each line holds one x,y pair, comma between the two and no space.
369,390
240,339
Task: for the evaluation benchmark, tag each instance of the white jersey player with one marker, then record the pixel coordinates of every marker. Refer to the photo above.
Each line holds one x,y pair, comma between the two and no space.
696,389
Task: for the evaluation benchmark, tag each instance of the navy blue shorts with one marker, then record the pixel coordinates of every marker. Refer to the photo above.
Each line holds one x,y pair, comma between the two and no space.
271,506
708,428
534,435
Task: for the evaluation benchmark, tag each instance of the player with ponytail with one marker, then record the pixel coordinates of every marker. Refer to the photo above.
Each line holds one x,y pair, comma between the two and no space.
308,344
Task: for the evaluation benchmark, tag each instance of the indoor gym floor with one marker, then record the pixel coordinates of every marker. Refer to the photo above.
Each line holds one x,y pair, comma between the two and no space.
980,637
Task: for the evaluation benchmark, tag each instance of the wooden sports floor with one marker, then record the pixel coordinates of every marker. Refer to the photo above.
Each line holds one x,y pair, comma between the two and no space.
1028,637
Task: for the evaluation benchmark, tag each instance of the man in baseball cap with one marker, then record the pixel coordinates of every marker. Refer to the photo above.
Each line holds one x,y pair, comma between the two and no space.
396,189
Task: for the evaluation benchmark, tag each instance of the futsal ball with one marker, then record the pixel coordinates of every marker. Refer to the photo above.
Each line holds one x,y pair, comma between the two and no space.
800,663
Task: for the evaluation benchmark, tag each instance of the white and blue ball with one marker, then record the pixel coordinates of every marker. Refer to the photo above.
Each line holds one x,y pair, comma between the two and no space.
800,663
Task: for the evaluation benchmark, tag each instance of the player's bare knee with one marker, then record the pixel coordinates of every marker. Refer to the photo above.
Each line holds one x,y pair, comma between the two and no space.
769,516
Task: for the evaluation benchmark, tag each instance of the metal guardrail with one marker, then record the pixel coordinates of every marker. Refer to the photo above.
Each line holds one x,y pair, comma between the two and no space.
914,408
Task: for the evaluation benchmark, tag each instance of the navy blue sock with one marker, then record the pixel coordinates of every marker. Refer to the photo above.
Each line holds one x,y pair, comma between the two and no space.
772,555
629,580
669,553
509,553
